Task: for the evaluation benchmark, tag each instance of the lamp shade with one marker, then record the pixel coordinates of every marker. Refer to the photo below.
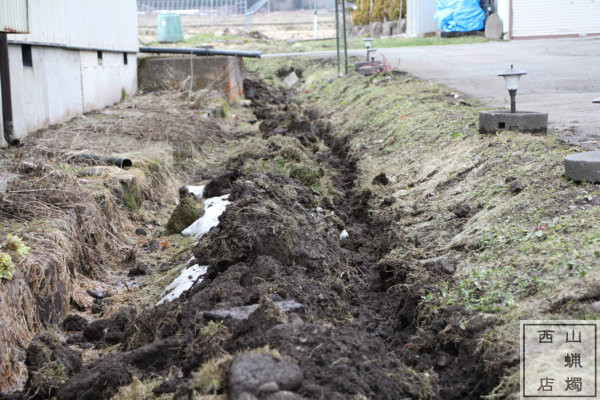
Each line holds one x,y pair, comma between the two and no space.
368,42
511,77
596,100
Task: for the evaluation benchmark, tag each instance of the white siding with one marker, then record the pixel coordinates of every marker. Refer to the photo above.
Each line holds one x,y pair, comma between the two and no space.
13,16
555,17
103,24
503,10
419,17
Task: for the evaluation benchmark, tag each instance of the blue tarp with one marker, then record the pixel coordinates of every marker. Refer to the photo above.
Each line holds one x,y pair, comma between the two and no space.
459,15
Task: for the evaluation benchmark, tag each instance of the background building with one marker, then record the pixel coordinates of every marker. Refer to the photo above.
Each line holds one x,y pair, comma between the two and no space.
76,56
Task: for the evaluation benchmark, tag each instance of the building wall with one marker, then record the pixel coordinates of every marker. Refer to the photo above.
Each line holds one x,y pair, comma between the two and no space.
419,17
66,79
504,14
102,24
63,84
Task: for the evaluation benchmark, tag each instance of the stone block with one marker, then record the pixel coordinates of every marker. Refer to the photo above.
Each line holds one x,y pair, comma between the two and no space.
524,121
223,73
583,167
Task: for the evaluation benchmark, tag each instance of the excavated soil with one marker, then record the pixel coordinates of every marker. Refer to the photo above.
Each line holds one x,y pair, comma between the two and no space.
299,232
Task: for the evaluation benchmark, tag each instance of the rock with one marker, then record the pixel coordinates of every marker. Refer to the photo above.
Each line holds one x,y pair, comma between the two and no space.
291,80
97,295
462,210
185,214
364,31
246,396
251,370
583,167
242,313
74,322
595,307
494,28
376,29
153,245
140,269
389,27
268,387
284,395
388,201
381,179
141,232
516,186
400,28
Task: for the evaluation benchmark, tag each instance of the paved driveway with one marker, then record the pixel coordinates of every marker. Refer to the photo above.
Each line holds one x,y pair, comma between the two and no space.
563,76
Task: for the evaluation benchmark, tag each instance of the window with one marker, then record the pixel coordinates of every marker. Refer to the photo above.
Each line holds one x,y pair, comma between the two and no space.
26,55
100,61
125,61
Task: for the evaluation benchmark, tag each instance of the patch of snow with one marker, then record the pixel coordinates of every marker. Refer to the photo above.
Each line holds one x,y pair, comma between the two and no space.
213,208
344,235
191,261
197,191
183,282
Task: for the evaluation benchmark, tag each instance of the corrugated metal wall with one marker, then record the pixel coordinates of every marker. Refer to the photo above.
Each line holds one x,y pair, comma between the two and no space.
419,17
13,16
102,24
555,17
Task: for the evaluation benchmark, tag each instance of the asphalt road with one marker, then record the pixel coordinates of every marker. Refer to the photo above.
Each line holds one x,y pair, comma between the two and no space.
563,76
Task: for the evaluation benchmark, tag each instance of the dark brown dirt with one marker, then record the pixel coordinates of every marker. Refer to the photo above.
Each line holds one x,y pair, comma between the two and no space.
362,331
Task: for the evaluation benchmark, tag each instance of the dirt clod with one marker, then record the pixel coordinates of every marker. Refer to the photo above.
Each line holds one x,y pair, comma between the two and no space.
381,179
516,186
461,210
74,322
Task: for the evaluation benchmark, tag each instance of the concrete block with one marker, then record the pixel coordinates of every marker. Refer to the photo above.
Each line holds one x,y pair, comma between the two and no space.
222,73
524,121
583,167
493,27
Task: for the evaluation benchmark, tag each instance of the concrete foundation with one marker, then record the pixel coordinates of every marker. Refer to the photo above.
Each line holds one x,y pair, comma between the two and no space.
524,121
222,73
583,167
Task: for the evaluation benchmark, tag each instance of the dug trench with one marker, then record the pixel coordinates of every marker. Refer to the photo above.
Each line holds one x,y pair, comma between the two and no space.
305,295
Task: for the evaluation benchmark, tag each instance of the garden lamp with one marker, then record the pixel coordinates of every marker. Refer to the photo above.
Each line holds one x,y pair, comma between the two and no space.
511,77
597,100
368,42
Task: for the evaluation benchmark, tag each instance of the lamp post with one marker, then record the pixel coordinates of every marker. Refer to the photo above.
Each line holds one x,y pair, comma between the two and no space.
368,42
511,77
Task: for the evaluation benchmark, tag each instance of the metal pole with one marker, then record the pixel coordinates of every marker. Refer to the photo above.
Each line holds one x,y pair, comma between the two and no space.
345,43
337,34
7,114
513,100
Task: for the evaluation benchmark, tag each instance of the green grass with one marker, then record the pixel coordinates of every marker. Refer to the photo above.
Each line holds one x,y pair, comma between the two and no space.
358,44
280,46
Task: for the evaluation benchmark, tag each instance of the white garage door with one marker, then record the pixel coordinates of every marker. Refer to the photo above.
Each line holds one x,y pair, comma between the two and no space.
555,17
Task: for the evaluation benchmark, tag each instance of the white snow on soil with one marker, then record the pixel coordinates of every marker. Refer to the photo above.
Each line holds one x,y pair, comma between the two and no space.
344,235
183,282
213,208
197,191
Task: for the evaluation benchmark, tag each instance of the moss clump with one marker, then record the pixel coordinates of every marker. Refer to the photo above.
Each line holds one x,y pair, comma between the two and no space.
187,211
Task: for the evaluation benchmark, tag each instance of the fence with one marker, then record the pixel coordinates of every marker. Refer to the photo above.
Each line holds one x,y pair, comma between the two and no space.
197,7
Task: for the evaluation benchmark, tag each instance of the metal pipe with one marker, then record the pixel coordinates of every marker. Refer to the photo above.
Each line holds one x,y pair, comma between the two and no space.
345,42
513,100
199,51
337,34
116,161
7,114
